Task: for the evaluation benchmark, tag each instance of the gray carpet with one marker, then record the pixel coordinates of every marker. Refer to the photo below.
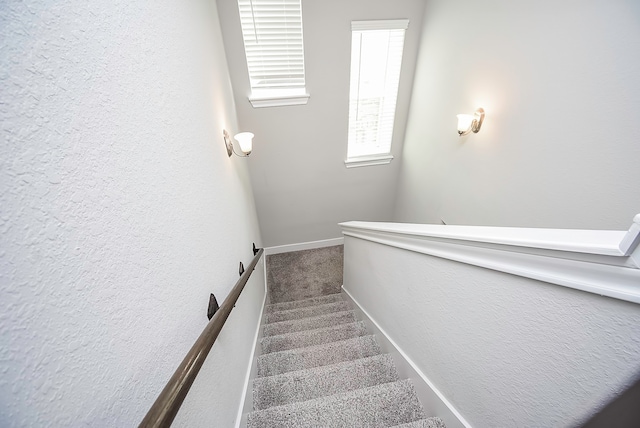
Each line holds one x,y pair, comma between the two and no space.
301,339
326,320
319,366
306,312
423,423
383,405
318,355
321,381
331,298
303,274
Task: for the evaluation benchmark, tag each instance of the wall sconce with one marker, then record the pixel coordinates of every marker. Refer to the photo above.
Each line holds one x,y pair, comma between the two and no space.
468,122
245,141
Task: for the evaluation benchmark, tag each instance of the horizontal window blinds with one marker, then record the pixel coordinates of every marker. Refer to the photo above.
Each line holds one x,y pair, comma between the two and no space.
376,59
272,32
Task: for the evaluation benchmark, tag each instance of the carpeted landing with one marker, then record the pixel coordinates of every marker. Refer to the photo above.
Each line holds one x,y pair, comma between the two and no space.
320,367
303,274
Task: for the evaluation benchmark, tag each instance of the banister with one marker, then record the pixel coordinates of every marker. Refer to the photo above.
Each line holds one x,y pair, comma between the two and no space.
166,406
604,262
600,242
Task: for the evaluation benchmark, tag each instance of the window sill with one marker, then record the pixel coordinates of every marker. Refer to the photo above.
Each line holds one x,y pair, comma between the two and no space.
368,161
279,101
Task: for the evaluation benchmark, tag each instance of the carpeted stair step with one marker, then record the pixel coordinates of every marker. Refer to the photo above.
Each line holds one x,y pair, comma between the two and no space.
327,320
383,405
424,423
316,356
313,301
322,381
302,339
306,312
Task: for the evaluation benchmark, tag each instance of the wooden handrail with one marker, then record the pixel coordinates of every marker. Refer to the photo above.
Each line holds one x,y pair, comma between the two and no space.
168,403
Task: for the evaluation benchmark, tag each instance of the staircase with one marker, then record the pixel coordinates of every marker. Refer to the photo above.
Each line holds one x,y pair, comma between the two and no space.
321,368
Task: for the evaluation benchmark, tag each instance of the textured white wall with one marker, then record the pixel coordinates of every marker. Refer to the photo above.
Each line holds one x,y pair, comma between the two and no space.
119,210
504,350
559,82
302,187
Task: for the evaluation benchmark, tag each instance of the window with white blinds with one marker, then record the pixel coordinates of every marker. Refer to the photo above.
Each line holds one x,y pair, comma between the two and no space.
272,32
376,58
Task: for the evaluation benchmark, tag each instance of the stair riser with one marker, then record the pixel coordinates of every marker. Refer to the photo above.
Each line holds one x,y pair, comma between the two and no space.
424,423
331,298
316,356
321,321
312,337
308,312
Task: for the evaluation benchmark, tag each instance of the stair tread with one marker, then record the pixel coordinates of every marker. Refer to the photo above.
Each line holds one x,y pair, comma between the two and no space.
300,339
311,323
306,312
384,405
312,301
423,423
317,355
304,385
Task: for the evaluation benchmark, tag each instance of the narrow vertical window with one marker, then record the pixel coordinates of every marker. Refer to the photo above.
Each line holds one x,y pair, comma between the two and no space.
272,33
376,58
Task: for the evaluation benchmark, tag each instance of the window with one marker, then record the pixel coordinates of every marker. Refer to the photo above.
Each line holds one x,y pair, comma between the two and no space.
376,58
272,33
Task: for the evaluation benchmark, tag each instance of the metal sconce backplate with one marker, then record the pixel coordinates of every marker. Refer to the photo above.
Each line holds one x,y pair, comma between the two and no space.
227,142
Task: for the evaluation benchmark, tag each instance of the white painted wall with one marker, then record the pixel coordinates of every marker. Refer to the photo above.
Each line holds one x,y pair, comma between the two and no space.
504,350
119,210
559,83
302,187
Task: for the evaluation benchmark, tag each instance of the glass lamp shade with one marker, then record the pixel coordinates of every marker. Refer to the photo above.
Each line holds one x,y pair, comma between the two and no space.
464,123
245,140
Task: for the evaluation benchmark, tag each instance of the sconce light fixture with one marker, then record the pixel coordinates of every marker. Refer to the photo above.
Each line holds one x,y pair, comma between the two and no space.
245,141
468,122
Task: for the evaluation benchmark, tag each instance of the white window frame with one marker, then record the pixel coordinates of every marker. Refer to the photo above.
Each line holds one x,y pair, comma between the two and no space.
371,144
274,50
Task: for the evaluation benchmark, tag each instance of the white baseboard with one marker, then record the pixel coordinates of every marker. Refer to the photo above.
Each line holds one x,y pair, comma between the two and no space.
246,400
434,403
304,246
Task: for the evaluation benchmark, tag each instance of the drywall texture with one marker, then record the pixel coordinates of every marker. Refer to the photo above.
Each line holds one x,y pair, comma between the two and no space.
119,208
504,350
302,187
561,93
